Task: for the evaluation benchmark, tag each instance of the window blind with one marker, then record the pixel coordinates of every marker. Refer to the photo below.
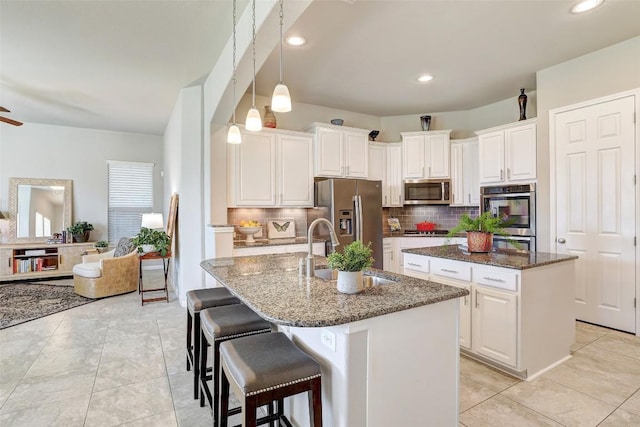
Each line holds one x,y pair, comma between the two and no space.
130,195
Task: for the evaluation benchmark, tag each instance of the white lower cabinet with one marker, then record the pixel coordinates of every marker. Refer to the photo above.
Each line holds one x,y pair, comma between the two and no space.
494,324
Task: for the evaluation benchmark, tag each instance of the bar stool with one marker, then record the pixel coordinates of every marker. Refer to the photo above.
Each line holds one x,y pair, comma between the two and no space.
265,368
219,324
198,300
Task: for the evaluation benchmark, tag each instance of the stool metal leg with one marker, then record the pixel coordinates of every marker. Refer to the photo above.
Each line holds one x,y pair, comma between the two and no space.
202,380
315,402
224,399
249,408
196,354
189,332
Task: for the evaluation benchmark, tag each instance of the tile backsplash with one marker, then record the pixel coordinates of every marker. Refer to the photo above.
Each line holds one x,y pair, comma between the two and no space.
445,217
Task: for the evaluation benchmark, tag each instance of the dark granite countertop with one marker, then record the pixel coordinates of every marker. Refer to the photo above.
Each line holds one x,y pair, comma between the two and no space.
498,258
270,285
237,244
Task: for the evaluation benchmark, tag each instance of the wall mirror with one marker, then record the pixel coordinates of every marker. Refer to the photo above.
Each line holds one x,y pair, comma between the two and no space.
38,208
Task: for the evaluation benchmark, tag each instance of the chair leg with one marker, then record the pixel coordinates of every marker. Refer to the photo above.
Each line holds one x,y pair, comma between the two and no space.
196,354
204,345
315,402
189,331
249,409
224,399
216,383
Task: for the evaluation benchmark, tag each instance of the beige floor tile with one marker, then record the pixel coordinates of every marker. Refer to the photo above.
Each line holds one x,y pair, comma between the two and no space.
62,413
590,327
166,419
64,360
194,416
619,342
118,373
499,411
632,404
472,393
560,403
485,375
38,390
621,418
129,403
602,374
586,336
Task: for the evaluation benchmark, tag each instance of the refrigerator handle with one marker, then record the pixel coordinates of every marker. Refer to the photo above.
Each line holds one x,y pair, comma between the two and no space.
358,217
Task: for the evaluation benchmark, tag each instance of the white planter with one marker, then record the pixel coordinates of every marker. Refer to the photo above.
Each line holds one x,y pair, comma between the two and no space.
148,248
350,282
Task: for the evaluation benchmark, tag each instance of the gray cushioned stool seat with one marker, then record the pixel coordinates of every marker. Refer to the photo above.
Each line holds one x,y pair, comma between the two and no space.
197,300
200,299
265,362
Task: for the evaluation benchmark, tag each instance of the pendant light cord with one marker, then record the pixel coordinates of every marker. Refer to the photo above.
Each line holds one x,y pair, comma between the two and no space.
234,62
281,20
254,54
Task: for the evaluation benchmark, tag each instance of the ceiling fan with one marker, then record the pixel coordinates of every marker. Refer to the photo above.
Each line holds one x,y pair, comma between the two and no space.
6,120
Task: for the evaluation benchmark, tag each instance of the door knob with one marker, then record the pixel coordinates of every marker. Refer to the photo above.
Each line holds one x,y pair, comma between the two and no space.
561,241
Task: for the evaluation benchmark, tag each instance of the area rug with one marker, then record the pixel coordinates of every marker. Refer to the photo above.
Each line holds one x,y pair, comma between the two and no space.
22,302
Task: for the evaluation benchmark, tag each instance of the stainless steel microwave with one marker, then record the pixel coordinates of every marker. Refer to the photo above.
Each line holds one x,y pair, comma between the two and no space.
427,191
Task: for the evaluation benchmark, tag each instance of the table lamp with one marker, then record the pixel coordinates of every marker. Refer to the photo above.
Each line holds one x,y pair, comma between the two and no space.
152,221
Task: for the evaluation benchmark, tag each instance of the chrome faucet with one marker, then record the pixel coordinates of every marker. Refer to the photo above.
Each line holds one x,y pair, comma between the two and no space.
334,241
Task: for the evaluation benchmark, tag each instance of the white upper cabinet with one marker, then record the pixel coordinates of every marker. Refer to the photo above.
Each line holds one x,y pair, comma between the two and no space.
465,178
271,168
384,165
508,153
426,154
340,151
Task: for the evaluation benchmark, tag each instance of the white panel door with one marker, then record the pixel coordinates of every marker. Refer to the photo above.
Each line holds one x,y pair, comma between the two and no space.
295,166
520,153
255,164
328,153
437,156
457,174
596,208
495,323
394,175
413,157
491,153
356,152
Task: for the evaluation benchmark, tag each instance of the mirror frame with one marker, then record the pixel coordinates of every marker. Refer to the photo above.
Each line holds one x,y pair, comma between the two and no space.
13,205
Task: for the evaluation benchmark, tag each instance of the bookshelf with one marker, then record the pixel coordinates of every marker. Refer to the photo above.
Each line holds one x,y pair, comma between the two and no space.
35,260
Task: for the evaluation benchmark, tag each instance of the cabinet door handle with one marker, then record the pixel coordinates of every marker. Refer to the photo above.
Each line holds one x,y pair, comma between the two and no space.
501,174
508,173
430,172
449,271
391,256
476,298
347,170
469,198
492,279
385,199
466,300
414,265
423,171
561,241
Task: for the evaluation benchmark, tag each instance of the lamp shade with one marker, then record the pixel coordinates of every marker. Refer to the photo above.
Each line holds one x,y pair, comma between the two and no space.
281,100
254,121
234,136
152,220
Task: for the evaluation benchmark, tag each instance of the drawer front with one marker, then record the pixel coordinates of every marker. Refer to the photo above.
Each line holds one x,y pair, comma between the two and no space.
496,278
416,262
452,269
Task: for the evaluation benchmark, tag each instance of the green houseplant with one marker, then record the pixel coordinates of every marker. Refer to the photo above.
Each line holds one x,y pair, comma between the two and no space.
480,231
149,240
101,245
80,231
350,263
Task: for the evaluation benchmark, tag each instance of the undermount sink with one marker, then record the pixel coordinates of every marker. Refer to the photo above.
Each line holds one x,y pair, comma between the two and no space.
329,274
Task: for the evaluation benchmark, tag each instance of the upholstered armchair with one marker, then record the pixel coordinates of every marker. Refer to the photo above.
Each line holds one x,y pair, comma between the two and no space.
109,273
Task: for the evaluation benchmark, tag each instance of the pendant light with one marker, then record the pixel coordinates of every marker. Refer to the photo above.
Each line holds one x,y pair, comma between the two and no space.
234,136
254,121
281,100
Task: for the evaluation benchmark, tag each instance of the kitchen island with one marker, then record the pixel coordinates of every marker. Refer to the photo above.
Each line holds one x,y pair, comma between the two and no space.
389,355
519,316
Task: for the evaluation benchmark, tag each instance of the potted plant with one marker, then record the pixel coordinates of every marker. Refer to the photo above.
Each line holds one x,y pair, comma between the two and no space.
101,246
148,240
480,231
350,263
80,231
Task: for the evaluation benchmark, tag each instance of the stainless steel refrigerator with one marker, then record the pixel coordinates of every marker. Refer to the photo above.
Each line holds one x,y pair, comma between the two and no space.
355,210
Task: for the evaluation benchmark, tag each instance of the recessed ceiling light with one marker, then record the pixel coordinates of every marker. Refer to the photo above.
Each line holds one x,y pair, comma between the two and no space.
425,78
585,5
295,40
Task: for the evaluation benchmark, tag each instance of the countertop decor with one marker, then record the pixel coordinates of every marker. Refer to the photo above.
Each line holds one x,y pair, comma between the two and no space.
270,285
499,257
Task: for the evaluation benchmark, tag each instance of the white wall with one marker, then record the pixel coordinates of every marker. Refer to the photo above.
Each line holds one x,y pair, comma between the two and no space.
597,74
60,152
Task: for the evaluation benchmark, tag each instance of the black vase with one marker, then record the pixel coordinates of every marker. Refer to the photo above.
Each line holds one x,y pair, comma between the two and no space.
425,122
522,102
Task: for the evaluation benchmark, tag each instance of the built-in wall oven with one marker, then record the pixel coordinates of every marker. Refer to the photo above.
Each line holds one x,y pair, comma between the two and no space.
516,204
